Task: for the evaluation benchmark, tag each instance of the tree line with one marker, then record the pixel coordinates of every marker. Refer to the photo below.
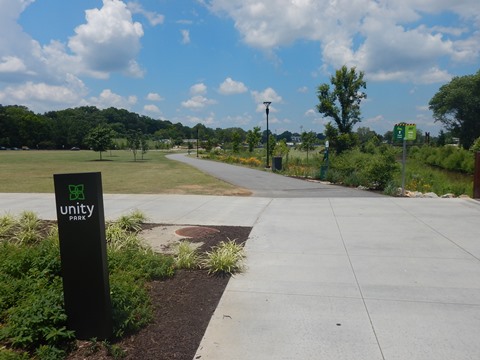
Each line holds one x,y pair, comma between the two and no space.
65,129
456,105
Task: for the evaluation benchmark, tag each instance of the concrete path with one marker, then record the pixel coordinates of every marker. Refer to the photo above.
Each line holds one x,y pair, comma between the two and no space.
268,184
332,277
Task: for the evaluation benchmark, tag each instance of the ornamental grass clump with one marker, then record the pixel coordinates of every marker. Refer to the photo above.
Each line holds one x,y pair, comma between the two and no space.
187,256
225,259
133,221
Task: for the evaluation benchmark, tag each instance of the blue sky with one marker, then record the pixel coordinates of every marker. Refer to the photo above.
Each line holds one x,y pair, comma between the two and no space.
216,61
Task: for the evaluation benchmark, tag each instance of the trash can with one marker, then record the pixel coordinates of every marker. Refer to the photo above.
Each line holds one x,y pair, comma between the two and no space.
277,163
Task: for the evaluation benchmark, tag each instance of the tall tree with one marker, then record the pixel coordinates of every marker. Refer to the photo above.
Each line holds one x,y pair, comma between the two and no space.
342,103
457,106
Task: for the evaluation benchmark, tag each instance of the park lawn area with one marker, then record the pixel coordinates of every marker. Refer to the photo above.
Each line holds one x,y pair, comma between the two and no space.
32,171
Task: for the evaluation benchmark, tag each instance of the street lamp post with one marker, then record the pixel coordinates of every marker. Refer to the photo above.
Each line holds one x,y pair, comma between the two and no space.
267,110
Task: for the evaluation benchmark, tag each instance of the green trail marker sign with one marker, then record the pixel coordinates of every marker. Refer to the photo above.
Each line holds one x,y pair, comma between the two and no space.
404,132
83,252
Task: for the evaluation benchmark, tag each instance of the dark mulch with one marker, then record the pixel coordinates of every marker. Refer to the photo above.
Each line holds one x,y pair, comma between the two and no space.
183,306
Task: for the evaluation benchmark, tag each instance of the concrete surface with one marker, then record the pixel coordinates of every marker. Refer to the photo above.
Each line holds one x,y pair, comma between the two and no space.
332,278
268,183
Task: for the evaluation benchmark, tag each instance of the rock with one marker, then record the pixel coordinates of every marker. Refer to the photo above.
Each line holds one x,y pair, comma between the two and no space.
448,196
464,196
430,195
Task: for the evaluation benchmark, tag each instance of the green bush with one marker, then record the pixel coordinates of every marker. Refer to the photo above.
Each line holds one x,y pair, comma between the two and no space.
32,315
38,317
446,157
355,168
131,305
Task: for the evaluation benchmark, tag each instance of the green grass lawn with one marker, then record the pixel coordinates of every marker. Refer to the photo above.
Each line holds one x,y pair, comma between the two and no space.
32,171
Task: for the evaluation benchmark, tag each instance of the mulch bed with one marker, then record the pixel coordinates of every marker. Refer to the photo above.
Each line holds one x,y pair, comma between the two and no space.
183,306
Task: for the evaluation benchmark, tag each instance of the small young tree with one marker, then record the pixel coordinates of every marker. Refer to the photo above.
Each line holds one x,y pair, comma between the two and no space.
134,142
143,145
253,138
308,141
100,139
236,140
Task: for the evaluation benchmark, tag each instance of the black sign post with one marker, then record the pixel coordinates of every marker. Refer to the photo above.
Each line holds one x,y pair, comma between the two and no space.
83,250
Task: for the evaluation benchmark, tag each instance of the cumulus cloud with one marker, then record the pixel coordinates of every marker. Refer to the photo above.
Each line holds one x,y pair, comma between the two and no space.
208,120
154,97
107,99
198,89
385,39
109,40
266,95
42,96
152,110
45,77
153,18
197,102
231,87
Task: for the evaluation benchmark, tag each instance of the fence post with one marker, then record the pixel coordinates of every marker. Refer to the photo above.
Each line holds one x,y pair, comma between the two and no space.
476,177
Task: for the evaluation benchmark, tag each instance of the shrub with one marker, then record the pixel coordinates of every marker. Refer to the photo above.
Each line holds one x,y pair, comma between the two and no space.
32,315
447,157
131,308
38,318
354,168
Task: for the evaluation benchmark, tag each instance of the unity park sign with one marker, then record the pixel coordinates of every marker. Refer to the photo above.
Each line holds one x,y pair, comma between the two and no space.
83,251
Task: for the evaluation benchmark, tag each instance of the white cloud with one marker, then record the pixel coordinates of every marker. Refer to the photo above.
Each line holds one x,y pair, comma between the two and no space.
198,89
109,40
154,97
266,95
311,112
152,110
185,36
43,97
107,99
197,102
231,87
303,90
208,120
153,18
385,39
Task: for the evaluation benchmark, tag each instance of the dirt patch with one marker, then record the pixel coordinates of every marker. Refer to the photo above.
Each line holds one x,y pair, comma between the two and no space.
183,306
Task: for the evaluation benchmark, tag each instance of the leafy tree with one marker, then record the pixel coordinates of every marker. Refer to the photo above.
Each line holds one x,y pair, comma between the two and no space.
253,138
457,106
340,142
100,139
272,143
365,134
476,145
236,140
342,103
308,141
134,139
144,145
281,148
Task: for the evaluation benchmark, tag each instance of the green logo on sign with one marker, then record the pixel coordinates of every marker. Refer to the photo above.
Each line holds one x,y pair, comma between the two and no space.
76,192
